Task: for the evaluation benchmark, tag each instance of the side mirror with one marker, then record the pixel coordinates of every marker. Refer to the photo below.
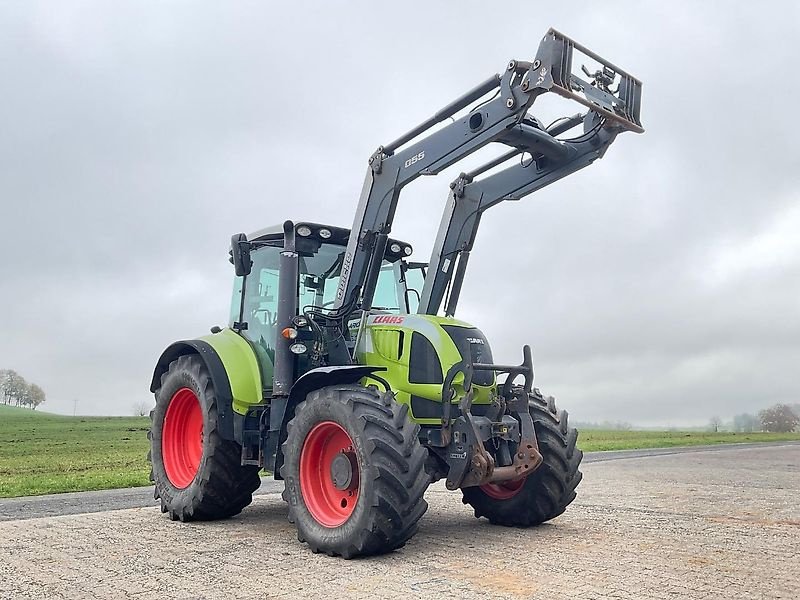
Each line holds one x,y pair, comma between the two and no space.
240,255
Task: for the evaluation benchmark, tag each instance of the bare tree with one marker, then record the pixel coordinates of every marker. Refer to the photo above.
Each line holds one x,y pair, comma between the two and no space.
5,375
14,387
15,390
714,424
141,408
35,396
779,419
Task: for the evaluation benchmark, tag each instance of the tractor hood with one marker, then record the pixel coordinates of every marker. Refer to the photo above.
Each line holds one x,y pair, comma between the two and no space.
418,351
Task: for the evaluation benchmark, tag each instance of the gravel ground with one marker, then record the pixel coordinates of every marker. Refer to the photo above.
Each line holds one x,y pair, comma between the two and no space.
703,524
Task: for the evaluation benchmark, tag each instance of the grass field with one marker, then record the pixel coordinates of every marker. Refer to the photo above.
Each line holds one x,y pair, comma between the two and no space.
42,453
597,439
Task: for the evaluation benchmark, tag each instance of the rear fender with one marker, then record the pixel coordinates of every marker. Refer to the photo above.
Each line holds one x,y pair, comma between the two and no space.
216,370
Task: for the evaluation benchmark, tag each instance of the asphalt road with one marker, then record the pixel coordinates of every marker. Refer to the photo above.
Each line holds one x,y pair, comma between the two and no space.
720,522
51,505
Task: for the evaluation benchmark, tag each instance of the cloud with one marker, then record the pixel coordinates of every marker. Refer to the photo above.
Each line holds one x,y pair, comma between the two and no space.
660,285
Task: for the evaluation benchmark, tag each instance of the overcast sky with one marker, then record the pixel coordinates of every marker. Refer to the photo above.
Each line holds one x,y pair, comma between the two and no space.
659,286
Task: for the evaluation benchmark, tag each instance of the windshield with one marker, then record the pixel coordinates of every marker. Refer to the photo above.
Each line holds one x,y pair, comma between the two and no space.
413,282
319,279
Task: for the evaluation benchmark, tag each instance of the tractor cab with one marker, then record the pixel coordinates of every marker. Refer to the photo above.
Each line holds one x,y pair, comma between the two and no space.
321,250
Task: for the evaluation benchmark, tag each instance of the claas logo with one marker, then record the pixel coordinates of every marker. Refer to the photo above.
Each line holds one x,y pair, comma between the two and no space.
388,319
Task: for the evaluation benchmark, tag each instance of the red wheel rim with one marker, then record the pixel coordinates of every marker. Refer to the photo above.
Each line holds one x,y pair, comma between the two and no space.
182,438
503,491
328,504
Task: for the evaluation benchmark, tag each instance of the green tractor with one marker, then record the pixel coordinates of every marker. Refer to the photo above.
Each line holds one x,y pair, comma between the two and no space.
343,371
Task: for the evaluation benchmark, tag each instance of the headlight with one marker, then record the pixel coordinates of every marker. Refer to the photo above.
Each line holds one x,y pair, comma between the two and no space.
395,248
324,233
407,250
298,348
304,230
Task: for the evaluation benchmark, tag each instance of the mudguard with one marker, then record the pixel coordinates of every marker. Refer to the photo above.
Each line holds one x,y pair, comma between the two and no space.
282,409
215,368
234,371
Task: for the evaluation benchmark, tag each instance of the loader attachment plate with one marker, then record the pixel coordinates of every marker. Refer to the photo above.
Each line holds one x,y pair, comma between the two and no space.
602,86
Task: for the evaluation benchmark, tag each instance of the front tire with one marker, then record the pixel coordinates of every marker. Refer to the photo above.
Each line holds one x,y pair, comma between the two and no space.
197,474
546,492
354,471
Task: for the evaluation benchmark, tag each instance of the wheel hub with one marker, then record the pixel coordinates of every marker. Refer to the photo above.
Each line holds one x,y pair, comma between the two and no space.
182,438
343,467
329,474
504,490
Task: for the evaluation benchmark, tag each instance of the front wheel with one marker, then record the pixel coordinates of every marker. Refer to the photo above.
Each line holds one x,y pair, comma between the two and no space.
546,492
354,471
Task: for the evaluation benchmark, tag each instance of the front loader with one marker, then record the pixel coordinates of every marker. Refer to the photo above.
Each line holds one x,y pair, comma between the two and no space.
344,371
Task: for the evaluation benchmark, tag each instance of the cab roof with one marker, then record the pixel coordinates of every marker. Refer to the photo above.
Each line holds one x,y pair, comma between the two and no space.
339,236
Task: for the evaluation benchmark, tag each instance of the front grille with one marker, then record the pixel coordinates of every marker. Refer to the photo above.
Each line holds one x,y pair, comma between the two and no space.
423,364
479,349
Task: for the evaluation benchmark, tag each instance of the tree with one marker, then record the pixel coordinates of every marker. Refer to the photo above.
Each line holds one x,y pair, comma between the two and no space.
714,424
13,387
5,374
779,419
15,390
141,408
35,396
746,423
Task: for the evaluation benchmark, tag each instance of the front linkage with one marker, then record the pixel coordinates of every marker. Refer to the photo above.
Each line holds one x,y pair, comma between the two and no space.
460,443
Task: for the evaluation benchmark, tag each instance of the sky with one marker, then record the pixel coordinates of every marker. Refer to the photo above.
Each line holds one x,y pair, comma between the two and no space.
659,286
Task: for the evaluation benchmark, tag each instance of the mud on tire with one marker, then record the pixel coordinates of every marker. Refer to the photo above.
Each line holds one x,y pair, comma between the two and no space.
220,487
386,457
548,491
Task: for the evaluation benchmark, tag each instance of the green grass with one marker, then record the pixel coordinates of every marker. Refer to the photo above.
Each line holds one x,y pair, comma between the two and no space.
41,453
599,439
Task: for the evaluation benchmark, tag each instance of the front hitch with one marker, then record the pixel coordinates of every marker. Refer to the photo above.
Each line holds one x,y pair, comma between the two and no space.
528,458
469,464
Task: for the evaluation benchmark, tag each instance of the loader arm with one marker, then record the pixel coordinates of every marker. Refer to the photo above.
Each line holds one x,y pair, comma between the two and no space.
468,199
500,119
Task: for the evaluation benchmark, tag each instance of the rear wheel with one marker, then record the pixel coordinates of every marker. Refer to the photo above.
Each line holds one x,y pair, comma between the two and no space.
546,492
197,474
354,471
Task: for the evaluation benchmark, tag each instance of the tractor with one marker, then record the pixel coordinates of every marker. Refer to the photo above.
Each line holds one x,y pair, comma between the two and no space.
343,370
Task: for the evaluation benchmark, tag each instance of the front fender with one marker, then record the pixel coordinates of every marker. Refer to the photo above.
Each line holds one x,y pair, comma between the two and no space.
325,376
282,409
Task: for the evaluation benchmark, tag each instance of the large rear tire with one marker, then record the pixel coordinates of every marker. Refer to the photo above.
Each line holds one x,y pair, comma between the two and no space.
197,474
546,492
354,471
